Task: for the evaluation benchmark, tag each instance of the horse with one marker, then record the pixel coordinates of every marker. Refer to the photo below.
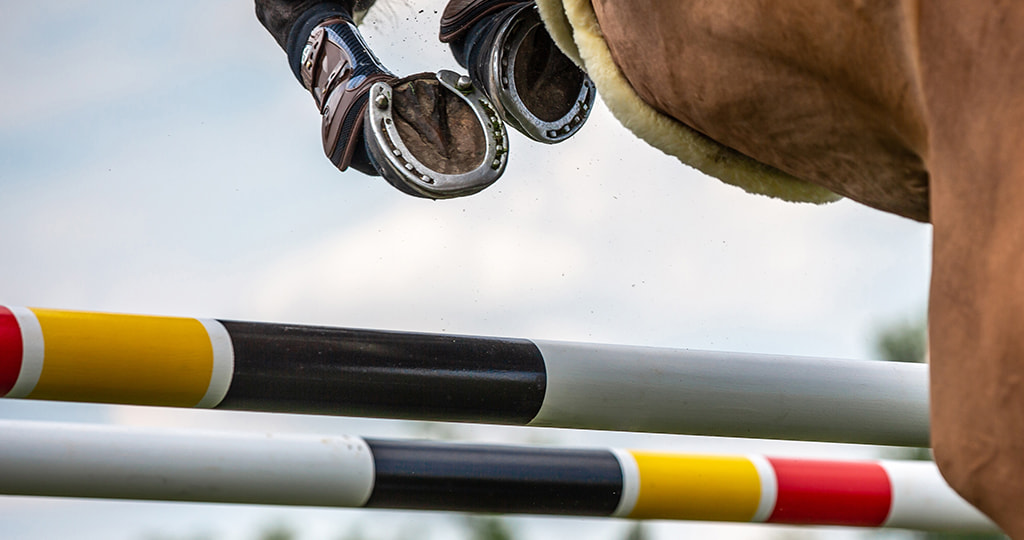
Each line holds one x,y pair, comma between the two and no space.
911,108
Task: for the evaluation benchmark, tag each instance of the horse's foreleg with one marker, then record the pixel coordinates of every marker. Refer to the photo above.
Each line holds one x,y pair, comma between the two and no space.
972,74
433,136
535,88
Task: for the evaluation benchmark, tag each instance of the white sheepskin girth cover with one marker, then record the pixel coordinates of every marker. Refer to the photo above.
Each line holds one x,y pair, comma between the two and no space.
574,27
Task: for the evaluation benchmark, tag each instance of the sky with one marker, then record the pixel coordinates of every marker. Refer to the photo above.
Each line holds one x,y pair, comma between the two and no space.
160,158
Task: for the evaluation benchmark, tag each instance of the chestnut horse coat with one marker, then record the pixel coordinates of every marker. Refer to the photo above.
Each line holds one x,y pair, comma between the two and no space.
912,108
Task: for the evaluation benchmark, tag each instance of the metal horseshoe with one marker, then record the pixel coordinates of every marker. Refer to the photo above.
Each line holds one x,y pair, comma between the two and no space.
400,166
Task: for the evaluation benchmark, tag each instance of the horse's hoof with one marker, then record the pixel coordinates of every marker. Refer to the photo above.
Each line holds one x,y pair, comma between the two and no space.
534,86
537,89
434,136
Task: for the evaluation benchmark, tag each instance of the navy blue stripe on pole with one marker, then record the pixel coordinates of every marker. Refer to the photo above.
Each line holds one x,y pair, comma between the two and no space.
309,369
478,478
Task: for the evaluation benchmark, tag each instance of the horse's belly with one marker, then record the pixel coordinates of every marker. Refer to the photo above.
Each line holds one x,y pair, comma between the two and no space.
825,91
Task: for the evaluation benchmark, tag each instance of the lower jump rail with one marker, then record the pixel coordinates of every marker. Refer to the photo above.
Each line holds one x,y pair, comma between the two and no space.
185,362
79,460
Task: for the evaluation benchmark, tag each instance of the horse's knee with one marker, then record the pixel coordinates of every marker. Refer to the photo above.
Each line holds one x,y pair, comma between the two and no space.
982,467
961,463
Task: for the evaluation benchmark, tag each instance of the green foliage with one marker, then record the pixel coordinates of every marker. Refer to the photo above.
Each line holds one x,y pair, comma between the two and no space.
278,532
489,528
636,532
903,342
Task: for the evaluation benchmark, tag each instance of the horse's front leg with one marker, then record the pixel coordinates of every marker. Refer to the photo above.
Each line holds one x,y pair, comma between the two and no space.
433,136
509,54
972,74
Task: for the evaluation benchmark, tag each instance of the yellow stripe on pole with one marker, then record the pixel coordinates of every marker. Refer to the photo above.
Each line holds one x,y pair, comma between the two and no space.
132,359
693,487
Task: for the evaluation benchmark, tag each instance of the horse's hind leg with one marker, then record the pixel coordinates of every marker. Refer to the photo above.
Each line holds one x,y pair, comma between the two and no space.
972,75
509,54
429,135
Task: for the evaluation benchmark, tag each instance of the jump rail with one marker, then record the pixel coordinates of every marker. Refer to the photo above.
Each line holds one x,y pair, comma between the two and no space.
184,362
77,460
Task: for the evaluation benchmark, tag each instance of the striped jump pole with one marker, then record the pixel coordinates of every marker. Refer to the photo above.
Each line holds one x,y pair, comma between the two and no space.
78,460
185,362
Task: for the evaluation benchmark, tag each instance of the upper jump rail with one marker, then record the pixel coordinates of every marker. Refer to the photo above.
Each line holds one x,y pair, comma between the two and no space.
185,362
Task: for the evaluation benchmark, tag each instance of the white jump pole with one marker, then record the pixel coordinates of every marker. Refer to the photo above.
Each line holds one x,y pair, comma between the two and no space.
131,359
76,460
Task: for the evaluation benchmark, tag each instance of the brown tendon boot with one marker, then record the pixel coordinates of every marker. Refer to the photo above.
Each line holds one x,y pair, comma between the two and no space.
432,136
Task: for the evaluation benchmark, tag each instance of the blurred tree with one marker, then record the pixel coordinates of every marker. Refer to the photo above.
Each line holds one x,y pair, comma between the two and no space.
637,531
905,341
489,528
278,532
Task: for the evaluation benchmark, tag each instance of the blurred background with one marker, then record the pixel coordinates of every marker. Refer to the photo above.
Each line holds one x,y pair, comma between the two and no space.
160,158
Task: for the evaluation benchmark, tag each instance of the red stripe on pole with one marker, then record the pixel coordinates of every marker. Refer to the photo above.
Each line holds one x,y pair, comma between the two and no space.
10,350
831,493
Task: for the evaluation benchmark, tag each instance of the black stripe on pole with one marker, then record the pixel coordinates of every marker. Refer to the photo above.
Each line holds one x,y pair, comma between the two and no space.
503,479
308,369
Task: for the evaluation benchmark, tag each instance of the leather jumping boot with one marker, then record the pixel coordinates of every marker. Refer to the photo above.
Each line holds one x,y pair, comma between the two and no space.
338,69
507,51
429,135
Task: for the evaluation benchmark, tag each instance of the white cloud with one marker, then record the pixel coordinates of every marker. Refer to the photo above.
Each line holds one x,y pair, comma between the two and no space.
606,239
